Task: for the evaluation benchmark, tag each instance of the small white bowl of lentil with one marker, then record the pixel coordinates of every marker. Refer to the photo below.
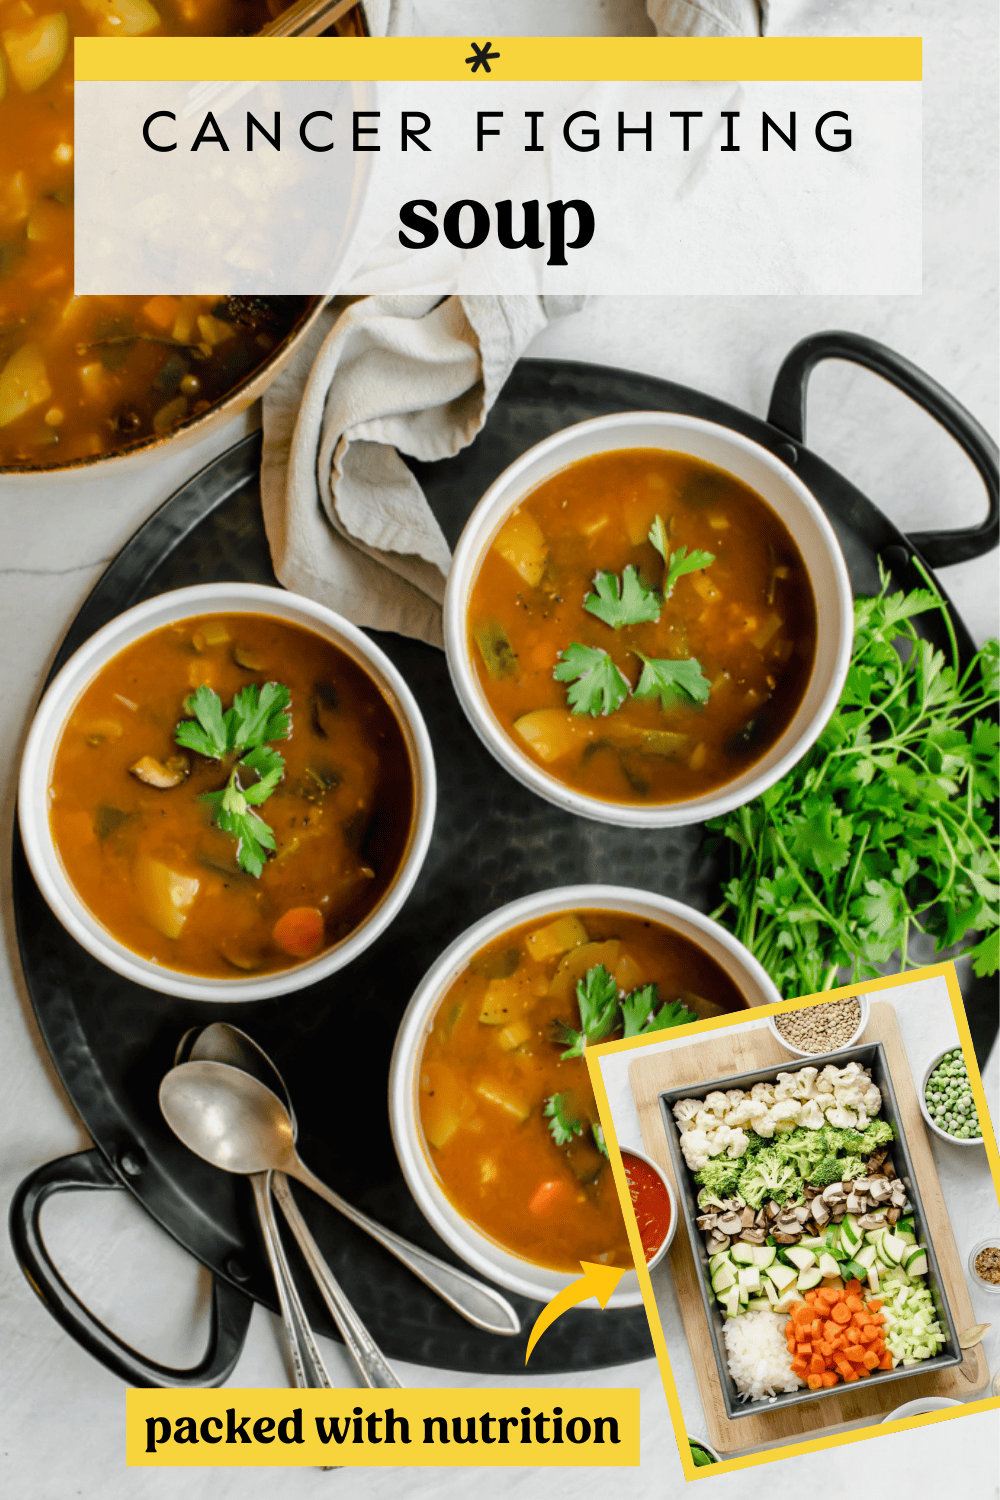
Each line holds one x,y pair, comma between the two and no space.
984,1263
946,1091
828,1026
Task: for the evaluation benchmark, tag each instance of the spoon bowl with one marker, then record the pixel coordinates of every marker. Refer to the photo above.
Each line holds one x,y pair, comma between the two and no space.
228,1118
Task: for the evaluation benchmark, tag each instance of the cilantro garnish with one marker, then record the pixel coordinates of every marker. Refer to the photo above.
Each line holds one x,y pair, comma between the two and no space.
886,829
562,1126
597,997
627,603
596,686
678,562
639,1007
241,733
672,681
599,1140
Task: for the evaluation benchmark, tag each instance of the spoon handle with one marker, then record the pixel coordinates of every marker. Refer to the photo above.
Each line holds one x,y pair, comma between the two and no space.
307,1362
478,1303
371,1362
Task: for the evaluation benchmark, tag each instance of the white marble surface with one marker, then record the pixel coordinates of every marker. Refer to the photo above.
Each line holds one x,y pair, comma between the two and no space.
927,1024
61,1414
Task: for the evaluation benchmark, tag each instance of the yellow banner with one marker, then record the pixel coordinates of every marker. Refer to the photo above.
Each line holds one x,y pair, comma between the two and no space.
513,59
529,1428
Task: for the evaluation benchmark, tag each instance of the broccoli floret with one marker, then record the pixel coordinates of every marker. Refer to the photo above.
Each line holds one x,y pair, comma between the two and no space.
767,1176
876,1133
720,1176
803,1148
825,1171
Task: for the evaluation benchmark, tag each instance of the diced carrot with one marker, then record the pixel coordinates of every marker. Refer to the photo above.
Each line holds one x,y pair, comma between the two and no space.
817,1364
879,1318
828,1296
885,1363
825,1348
300,931
831,1378
838,1341
814,1382
853,1287
854,1353
800,1367
817,1328
852,1374
802,1314
805,1348
870,1361
854,1302
830,1328
551,1197
791,1345
789,1329
844,1366
867,1335
841,1314
161,311
874,1303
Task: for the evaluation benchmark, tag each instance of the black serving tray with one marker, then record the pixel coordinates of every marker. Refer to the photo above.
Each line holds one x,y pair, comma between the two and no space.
870,1056
112,1040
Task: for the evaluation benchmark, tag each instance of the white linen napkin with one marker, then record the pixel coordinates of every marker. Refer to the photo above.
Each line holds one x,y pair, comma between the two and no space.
708,17
347,523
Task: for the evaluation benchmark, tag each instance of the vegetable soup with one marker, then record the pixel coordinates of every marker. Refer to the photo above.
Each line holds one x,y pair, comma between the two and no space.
507,1110
83,376
643,626
231,794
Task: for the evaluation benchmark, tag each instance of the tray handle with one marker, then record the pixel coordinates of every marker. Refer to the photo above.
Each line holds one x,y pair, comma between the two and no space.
230,1310
788,413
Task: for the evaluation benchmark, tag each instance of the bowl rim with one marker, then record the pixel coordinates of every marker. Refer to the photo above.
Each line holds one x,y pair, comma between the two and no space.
943,1135
470,1244
498,501
863,1001
927,1404
650,1161
78,673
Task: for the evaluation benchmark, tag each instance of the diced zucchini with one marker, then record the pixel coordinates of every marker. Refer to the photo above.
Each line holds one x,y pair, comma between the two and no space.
866,1256
806,1280
731,1302
915,1260
906,1235
499,656
850,1235
874,1280
723,1278
828,1266
764,1255
749,1279
783,1277
787,1300
893,1247
715,1261
742,1253
759,1304
801,1257
811,1242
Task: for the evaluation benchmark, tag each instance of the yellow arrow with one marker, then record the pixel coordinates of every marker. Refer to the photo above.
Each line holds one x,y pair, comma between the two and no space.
596,1281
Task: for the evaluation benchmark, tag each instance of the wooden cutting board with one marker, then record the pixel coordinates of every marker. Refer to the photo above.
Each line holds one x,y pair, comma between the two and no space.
728,1053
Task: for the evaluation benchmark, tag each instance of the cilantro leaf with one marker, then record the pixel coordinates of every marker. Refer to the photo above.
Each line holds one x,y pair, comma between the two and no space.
234,815
596,686
562,1126
599,1140
597,998
627,603
672,681
678,562
639,1007
206,732
257,715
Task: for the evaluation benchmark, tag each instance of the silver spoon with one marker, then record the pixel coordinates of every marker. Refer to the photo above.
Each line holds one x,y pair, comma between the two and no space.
308,1369
222,1115
478,1303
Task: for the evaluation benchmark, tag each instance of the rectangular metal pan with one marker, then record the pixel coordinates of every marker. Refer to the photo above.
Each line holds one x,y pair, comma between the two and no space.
871,1055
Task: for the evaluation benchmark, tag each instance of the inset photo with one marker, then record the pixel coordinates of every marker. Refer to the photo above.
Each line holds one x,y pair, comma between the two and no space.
812,1199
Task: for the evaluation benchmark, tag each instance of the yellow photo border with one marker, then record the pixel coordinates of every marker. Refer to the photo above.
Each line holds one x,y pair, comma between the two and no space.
593,1056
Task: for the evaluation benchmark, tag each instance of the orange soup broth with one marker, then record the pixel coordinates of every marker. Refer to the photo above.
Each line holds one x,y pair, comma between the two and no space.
341,815
483,1087
749,619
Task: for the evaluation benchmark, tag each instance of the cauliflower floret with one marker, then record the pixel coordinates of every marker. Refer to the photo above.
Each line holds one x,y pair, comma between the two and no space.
843,1118
863,1120
734,1096
827,1079
811,1114
805,1078
696,1148
686,1109
765,1124
764,1092
785,1113
746,1113
851,1093
717,1104
873,1099
738,1143
785,1087
705,1121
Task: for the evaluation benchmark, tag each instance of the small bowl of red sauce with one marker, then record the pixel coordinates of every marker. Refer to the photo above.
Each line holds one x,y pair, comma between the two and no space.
652,1203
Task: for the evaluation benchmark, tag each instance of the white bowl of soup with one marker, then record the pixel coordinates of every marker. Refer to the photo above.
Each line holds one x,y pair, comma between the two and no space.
227,793
648,619
492,1111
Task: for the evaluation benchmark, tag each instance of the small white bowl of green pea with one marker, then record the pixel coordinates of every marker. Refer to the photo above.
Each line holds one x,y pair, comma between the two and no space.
946,1101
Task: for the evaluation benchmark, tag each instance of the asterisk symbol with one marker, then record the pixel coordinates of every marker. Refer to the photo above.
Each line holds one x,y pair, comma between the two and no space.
481,56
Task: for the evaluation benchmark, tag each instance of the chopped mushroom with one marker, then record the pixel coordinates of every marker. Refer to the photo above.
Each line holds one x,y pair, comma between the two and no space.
781,1238
163,774
871,1221
248,660
729,1224
820,1212
716,1242
754,1236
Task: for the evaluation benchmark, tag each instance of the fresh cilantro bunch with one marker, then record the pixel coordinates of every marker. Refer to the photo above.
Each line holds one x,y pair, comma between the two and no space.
887,827
562,1125
596,684
238,737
